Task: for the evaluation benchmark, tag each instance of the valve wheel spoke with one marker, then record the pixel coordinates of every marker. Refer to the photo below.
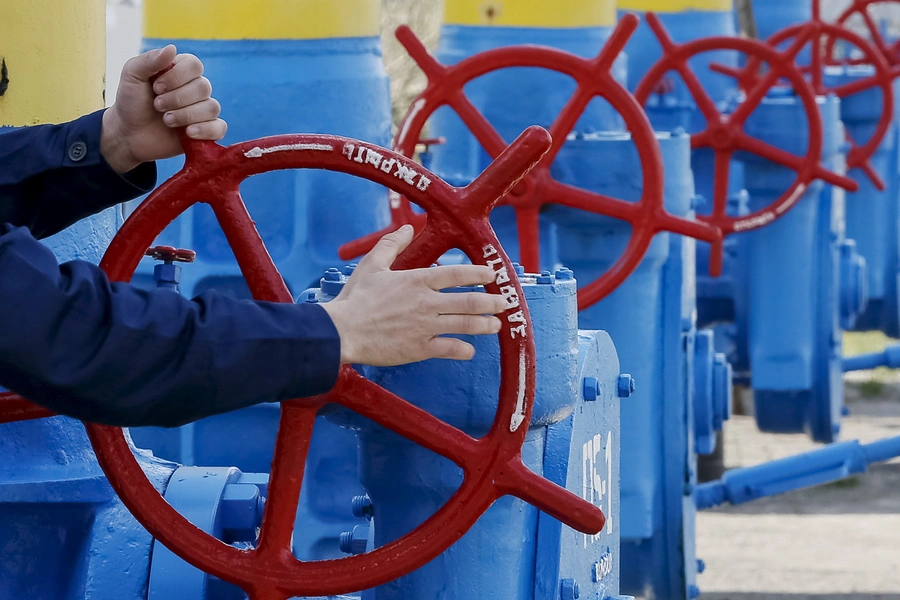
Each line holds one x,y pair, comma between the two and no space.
295,431
529,231
565,122
874,33
791,161
489,138
721,173
407,420
573,197
701,96
14,408
520,481
254,260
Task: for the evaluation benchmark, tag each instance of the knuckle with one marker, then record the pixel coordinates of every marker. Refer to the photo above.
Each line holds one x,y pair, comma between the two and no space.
205,87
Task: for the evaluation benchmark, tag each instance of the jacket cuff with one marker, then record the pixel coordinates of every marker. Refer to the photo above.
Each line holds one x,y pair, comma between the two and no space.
319,361
82,149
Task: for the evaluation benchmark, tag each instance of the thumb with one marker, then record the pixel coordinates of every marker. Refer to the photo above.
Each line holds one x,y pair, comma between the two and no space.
148,64
387,250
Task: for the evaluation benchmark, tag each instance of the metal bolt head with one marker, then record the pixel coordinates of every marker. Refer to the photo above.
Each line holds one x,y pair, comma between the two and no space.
568,589
625,385
701,565
311,297
348,270
356,541
565,274
693,591
362,507
332,274
590,388
520,270
545,278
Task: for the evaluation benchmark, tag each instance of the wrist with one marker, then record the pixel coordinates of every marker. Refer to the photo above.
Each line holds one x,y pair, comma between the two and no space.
335,313
114,146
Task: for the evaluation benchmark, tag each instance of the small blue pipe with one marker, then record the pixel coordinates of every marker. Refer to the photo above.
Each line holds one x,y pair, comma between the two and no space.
825,465
889,358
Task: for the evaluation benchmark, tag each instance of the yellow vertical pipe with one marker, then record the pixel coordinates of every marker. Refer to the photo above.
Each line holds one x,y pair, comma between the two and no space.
531,13
55,55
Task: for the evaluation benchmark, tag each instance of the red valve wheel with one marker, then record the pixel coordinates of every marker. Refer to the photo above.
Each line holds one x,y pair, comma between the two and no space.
822,38
724,133
493,467
890,52
647,216
171,254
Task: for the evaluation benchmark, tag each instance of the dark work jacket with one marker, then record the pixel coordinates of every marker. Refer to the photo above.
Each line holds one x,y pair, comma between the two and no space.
108,352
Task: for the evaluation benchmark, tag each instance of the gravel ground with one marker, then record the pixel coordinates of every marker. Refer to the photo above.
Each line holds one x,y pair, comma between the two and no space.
835,542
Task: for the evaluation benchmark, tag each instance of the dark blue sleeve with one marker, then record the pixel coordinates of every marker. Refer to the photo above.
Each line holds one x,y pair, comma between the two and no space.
107,352
54,175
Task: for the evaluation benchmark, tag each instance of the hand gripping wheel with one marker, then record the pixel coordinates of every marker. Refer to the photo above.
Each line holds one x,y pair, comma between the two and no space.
493,467
724,133
647,217
822,37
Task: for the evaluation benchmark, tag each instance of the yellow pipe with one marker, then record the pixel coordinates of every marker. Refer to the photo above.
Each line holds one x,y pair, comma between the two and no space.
676,6
261,19
55,54
531,13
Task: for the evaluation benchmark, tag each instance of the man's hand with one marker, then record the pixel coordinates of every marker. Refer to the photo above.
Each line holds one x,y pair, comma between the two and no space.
388,318
141,125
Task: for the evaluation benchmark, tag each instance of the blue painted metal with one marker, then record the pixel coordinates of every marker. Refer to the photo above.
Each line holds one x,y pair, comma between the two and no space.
540,95
712,392
889,357
573,441
793,266
651,319
66,535
335,86
774,15
220,501
873,216
831,463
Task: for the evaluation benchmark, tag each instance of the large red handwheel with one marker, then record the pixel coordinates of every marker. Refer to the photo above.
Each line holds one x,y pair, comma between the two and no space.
724,132
822,37
860,8
647,216
493,467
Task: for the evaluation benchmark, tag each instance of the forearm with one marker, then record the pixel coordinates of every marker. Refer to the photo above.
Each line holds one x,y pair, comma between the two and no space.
54,175
110,353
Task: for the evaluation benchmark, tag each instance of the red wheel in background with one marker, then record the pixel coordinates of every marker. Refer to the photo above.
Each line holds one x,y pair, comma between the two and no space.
822,39
647,216
493,467
724,133
860,8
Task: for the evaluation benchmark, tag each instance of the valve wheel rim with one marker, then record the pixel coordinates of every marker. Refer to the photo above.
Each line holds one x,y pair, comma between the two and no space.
492,464
808,168
647,216
891,53
860,154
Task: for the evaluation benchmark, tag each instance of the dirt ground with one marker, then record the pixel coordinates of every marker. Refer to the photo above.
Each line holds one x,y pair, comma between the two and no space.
836,542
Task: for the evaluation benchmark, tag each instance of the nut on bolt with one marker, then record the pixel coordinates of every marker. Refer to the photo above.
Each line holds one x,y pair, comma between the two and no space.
356,541
362,507
590,389
545,278
625,385
565,274
568,589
